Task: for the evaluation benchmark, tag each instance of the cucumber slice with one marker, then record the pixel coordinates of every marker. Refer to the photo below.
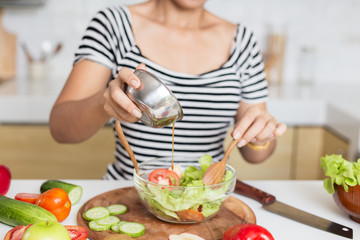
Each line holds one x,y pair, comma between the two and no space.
74,191
132,229
96,213
96,227
117,209
116,227
110,220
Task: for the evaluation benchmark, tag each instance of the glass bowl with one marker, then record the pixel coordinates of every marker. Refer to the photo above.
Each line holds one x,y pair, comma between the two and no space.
181,204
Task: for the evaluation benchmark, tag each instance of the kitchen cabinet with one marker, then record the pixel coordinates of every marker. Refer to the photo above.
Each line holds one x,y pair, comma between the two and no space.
308,149
31,153
335,144
312,143
278,166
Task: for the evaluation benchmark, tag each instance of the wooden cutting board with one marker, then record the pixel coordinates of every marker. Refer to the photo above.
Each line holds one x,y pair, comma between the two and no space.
232,212
7,53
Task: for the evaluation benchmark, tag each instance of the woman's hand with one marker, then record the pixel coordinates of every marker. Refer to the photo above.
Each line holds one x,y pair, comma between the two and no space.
116,103
87,101
255,125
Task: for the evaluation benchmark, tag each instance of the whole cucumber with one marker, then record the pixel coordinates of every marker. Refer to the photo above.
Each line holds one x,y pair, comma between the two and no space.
74,191
14,212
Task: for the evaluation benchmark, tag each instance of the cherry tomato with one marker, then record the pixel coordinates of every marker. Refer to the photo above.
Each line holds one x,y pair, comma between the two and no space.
77,232
56,201
16,233
247,231
164,176
27,197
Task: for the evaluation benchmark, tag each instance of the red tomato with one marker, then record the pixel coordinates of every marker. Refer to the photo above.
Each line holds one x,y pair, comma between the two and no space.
164,176
247,231
16,233
5,179
56,201
77,232
27,197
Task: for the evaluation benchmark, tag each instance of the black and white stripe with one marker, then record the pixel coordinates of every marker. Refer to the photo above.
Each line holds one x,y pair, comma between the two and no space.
209,100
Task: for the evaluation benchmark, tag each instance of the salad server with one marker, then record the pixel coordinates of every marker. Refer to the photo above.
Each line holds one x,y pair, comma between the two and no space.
126,145
215,173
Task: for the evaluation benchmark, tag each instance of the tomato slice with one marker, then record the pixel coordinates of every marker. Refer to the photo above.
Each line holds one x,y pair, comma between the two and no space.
27,197
16,233
164,176
77,232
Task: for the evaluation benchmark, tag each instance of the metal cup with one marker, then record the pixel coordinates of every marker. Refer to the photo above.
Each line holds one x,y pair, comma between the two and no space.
158,104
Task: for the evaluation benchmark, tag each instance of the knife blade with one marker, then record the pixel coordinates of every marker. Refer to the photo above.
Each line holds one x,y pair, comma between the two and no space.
270,203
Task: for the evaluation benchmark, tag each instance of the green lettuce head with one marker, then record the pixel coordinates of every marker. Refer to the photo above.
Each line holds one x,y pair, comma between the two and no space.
340,171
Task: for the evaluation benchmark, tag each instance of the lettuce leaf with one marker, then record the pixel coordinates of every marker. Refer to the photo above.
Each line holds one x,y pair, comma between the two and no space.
192,173
340,171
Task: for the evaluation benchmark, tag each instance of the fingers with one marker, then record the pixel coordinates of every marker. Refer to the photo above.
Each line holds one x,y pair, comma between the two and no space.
141,66
117,103
266,133
257,126
127,76
280,129
120,114
124,102
244,124
259,132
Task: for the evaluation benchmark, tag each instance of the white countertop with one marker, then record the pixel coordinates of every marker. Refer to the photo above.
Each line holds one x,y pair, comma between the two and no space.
335,106
309,196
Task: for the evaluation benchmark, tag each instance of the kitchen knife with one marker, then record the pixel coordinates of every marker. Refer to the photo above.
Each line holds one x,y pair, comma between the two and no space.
270,203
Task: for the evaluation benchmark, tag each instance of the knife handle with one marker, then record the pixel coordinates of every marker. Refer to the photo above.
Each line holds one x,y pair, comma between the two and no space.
253,193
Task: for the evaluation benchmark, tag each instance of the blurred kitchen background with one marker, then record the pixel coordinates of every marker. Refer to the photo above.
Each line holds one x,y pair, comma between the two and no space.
311,51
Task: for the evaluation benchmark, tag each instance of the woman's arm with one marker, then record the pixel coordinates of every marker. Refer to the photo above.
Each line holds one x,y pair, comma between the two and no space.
256,130
86,103
78,112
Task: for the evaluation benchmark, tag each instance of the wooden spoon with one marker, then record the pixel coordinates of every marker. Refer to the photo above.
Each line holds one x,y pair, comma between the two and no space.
215,173
125,143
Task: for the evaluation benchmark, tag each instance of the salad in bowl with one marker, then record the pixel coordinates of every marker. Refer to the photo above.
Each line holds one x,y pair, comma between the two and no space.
178,194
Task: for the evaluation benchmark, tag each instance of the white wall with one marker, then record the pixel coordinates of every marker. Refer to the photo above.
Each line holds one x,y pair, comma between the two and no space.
331,26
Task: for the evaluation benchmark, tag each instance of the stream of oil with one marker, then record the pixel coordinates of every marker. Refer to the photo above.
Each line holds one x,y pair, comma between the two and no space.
172,151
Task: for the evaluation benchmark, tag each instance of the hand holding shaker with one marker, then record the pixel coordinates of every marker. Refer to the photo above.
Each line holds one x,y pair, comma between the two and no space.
158,104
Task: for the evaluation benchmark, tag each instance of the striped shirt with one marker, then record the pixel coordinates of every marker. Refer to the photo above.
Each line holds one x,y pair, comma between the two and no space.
209,100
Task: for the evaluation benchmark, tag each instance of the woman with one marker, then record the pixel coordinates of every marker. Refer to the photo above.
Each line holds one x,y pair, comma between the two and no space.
214,68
